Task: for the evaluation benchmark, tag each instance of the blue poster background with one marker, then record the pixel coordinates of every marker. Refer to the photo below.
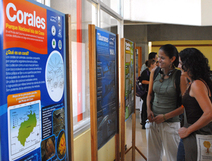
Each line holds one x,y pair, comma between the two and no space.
47,75
107,105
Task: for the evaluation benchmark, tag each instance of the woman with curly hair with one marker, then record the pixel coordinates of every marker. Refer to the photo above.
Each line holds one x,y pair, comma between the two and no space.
196,100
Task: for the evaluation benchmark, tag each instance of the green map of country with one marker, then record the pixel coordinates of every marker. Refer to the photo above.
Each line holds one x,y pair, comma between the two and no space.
26,128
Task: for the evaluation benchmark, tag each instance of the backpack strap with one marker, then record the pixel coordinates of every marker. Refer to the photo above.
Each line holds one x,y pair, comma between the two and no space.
177,84
177,81
157,70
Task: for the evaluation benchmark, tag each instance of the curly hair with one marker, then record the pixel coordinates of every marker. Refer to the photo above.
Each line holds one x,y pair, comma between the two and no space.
170,51
196,64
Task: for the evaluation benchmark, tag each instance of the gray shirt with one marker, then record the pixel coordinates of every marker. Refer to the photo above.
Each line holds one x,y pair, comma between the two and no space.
165,96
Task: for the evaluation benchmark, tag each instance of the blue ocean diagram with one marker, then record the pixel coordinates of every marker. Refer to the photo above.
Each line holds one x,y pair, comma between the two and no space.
106,86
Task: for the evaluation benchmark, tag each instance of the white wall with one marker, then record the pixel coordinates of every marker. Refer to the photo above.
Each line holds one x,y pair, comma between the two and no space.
206,12
185,12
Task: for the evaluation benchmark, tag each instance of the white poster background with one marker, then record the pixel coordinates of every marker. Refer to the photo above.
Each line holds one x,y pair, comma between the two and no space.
204,147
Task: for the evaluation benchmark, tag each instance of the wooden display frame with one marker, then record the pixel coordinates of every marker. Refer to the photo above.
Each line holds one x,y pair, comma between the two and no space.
122,99
93,95
69,88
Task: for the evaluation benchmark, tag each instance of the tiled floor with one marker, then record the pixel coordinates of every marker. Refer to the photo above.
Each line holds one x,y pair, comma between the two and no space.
140,140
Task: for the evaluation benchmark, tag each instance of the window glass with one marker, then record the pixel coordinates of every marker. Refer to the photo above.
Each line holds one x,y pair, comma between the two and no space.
83,13
114,5
108,23
81,16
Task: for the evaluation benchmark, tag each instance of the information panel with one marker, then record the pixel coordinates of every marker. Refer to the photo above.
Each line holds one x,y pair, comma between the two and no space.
106,76
32,73
129,78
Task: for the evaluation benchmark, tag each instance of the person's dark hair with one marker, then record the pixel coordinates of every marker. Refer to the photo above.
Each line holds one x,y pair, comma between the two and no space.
170,51
152,55
196,64
146,62
150,62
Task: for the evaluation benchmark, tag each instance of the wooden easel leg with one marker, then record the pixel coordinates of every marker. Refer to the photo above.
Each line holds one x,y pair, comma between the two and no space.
137,150
140,153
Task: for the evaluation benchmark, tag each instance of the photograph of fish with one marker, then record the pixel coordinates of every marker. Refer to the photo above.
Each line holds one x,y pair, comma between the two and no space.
58,121
48,148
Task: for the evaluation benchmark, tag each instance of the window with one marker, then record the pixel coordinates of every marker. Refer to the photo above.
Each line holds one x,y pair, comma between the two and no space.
83,13
108,23
114,5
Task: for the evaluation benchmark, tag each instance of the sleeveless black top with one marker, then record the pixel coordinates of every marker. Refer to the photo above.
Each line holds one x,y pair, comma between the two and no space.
192,107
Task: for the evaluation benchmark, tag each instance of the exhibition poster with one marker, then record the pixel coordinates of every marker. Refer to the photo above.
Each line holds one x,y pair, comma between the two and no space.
129,78
106,75
33,91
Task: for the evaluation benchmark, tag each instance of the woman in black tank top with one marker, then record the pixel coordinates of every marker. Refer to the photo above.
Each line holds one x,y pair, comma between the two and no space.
196,100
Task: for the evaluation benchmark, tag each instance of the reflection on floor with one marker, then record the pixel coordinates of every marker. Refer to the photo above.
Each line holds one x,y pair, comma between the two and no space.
140,140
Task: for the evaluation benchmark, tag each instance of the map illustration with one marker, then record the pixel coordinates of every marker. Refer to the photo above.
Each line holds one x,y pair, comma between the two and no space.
26,128
24,125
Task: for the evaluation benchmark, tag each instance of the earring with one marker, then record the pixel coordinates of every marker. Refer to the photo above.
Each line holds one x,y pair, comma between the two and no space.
170,66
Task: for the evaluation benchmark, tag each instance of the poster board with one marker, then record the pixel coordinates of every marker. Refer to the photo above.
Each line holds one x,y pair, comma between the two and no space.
33,82
103,64
127,99
123,88
129,78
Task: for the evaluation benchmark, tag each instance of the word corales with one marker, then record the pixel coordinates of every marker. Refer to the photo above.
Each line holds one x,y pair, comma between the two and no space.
24,17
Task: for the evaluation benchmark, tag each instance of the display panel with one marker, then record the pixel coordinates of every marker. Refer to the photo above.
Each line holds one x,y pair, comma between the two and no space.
129,78
32,72
106,75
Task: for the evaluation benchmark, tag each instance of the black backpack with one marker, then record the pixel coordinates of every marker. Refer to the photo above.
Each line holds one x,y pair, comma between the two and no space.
141,89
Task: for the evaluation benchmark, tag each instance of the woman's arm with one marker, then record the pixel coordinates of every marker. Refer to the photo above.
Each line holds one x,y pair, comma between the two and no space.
163,117
200,92
145,82
150,114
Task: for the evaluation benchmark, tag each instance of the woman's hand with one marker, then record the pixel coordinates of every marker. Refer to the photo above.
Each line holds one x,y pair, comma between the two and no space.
150,115
183,132
158,119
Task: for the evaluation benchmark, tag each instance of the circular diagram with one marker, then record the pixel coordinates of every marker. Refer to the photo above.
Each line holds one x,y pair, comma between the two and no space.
60,44
55,76
53,43
53,30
